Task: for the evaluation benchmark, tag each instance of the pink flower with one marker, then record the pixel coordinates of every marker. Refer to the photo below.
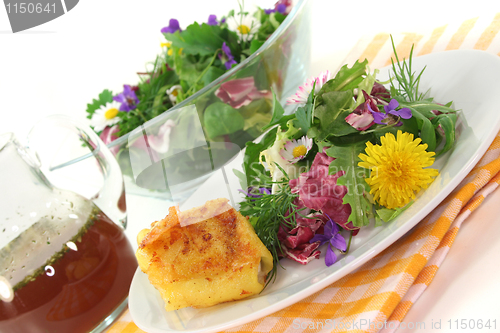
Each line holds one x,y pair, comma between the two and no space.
156,144
362,118
240,92
302,94
161,141
108,135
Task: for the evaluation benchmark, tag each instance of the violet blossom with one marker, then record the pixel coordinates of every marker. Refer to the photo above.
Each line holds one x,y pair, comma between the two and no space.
256,192
212,20
334,238
173,26
226,57
127,98
391,115
283,6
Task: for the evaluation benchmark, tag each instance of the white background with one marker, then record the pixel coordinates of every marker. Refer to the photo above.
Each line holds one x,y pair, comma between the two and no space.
60,66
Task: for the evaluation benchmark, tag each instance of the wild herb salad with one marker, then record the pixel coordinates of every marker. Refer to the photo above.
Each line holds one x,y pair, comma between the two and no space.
191,58
353,151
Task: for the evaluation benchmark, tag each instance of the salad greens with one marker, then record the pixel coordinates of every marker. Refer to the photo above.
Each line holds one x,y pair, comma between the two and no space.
352,152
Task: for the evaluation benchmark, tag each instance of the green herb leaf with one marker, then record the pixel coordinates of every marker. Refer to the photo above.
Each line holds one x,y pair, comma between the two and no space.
278,115
346,160
199,39
346,79
220,119
335,102
106,96
304,114
447,121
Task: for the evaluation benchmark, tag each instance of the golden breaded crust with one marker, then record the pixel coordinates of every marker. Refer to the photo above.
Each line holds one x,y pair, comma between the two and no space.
205,263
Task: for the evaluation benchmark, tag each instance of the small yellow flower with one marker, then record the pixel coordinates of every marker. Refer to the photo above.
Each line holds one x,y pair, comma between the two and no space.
397,169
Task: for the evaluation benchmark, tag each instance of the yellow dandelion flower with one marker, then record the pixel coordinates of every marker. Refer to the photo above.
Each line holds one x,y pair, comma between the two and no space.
397,169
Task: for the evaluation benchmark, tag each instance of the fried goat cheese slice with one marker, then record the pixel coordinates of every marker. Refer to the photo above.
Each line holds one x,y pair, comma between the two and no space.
217,260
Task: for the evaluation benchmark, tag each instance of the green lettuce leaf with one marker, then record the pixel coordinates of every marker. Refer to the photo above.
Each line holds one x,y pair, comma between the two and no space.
199,39
220,119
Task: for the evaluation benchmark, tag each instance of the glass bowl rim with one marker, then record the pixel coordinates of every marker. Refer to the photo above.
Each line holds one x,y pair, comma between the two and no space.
297,8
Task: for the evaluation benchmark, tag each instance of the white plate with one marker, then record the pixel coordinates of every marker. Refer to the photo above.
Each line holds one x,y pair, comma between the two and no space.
470,80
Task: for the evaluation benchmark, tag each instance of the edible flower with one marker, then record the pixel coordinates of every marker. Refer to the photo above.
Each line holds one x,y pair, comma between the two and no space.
172,93
397,169
240,92
161,141
108,135
127,98
212,20
362,117
245,26
173,26
226,57
283,6
295,150
334,238
105,116
304,91
256,192
391,115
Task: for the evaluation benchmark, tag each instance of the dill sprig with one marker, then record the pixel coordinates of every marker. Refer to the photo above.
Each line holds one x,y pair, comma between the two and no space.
408,81
267,213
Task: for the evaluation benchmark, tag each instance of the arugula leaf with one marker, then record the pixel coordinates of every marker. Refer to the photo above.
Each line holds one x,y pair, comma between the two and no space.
447,122
346,159
425,106
346,79
304,114
427,133
220,119
278,117
335,102
106,96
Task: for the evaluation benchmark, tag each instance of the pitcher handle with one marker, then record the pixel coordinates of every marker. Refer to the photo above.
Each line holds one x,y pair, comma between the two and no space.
110,197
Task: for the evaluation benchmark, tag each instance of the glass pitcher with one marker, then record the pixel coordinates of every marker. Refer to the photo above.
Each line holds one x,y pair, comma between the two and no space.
65,263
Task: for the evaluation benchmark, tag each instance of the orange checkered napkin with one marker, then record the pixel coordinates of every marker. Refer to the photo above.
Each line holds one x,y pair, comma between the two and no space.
377,296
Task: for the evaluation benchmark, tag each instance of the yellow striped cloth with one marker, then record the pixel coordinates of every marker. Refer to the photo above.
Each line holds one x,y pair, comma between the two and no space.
377,296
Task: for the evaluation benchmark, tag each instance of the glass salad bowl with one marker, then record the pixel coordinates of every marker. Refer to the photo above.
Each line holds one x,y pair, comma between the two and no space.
173,153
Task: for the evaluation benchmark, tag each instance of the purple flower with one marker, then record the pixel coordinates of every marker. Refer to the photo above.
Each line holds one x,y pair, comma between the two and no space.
391,115
334,238
226,56
127,98
269,11
212,20
256,192
173,26
281,8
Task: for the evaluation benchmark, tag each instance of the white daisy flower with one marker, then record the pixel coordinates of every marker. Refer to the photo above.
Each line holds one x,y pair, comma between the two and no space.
302,94
106,115
295,150
245,26
173,92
